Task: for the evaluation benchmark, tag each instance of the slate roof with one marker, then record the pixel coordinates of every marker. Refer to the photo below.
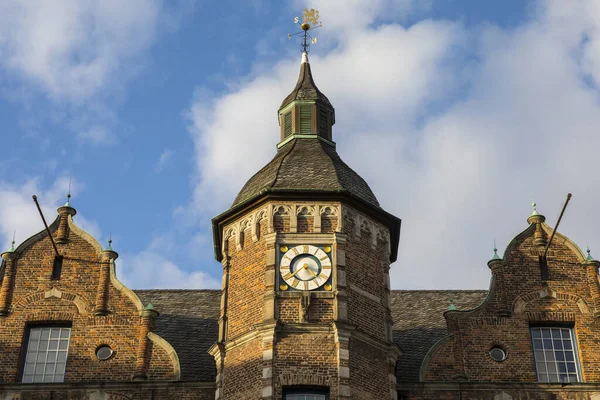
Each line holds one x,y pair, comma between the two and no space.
306,89
419,323
308,165
188,321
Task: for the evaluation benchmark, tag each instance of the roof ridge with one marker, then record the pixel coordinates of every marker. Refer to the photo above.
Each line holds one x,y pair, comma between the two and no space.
293,144
337,177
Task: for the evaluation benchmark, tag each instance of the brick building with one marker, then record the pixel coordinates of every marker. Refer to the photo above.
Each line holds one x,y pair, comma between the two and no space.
305,310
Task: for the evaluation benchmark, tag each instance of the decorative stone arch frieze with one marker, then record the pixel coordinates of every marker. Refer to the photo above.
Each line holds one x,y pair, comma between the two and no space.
522,302
78,301
312,379
252,221
305,210
374,230
238,228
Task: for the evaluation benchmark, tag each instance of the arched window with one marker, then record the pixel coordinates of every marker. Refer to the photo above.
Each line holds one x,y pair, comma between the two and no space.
305,394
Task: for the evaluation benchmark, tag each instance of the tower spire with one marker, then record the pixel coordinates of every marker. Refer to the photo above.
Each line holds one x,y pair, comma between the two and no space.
306,112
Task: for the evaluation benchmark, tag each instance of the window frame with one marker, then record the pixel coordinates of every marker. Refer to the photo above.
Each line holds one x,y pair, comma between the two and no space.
25,347
575,351
305,391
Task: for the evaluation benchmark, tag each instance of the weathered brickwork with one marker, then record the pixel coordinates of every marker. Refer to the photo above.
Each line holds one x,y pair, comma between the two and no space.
368,371
294,339
519,299
37,300
305,359
243,371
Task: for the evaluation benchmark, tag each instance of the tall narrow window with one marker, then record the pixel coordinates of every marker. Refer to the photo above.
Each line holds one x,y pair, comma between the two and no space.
46,356
57,267
305,394
287,124
305,120
555,354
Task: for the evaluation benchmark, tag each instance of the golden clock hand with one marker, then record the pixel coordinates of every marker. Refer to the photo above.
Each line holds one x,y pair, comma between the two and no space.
311,272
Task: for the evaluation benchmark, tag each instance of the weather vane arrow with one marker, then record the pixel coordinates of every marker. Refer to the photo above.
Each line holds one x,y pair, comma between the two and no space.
310,20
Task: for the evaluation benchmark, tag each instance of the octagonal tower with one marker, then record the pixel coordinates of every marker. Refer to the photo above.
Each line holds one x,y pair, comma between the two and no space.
306,250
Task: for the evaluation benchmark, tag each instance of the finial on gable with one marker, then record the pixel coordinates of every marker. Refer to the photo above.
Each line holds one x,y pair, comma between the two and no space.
451,307
12,245
495,257
534,205
68,203
109,252
589,256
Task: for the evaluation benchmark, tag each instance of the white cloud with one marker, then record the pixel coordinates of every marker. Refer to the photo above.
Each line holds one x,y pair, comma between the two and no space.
149,269
163,160
73,49
19,214
454,129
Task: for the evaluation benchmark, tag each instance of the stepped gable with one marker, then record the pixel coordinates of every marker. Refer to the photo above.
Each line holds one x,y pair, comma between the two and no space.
188,321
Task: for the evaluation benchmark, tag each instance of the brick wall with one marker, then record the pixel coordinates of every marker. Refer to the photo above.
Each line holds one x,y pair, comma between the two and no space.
519,299
35,299
271,343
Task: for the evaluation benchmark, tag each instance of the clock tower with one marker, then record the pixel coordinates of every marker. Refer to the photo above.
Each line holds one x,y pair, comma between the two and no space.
306,251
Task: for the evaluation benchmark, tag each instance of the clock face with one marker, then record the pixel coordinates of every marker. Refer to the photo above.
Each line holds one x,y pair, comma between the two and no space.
305,267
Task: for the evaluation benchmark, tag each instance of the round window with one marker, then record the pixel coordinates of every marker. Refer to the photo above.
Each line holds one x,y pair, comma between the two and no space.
498,354
104,352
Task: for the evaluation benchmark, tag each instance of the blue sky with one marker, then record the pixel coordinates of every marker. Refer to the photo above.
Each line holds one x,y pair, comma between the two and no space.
456,113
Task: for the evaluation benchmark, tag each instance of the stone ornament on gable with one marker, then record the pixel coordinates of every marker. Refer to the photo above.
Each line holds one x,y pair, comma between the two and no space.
523,303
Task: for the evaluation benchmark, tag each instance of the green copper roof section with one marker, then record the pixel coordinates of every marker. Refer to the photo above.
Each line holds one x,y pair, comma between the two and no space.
149,306
12,248
109,247
451,307
495,257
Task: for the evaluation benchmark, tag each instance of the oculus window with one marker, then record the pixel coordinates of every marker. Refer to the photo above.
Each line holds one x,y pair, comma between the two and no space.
555,354
46,356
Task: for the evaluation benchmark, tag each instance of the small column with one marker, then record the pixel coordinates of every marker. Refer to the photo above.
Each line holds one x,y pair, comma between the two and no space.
62,233
144,351
495,265
10,273
592,275
108,257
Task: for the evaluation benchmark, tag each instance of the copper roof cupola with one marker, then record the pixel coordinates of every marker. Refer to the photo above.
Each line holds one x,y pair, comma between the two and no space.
306,160
306,111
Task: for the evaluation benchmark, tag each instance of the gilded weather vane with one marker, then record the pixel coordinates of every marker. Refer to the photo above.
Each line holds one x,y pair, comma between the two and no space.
310,19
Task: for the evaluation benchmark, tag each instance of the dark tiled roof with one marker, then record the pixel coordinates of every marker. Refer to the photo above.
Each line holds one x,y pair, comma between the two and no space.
419,323
307,165
306,89
188,321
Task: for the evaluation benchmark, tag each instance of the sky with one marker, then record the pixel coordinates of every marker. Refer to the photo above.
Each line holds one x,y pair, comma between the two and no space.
456,113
